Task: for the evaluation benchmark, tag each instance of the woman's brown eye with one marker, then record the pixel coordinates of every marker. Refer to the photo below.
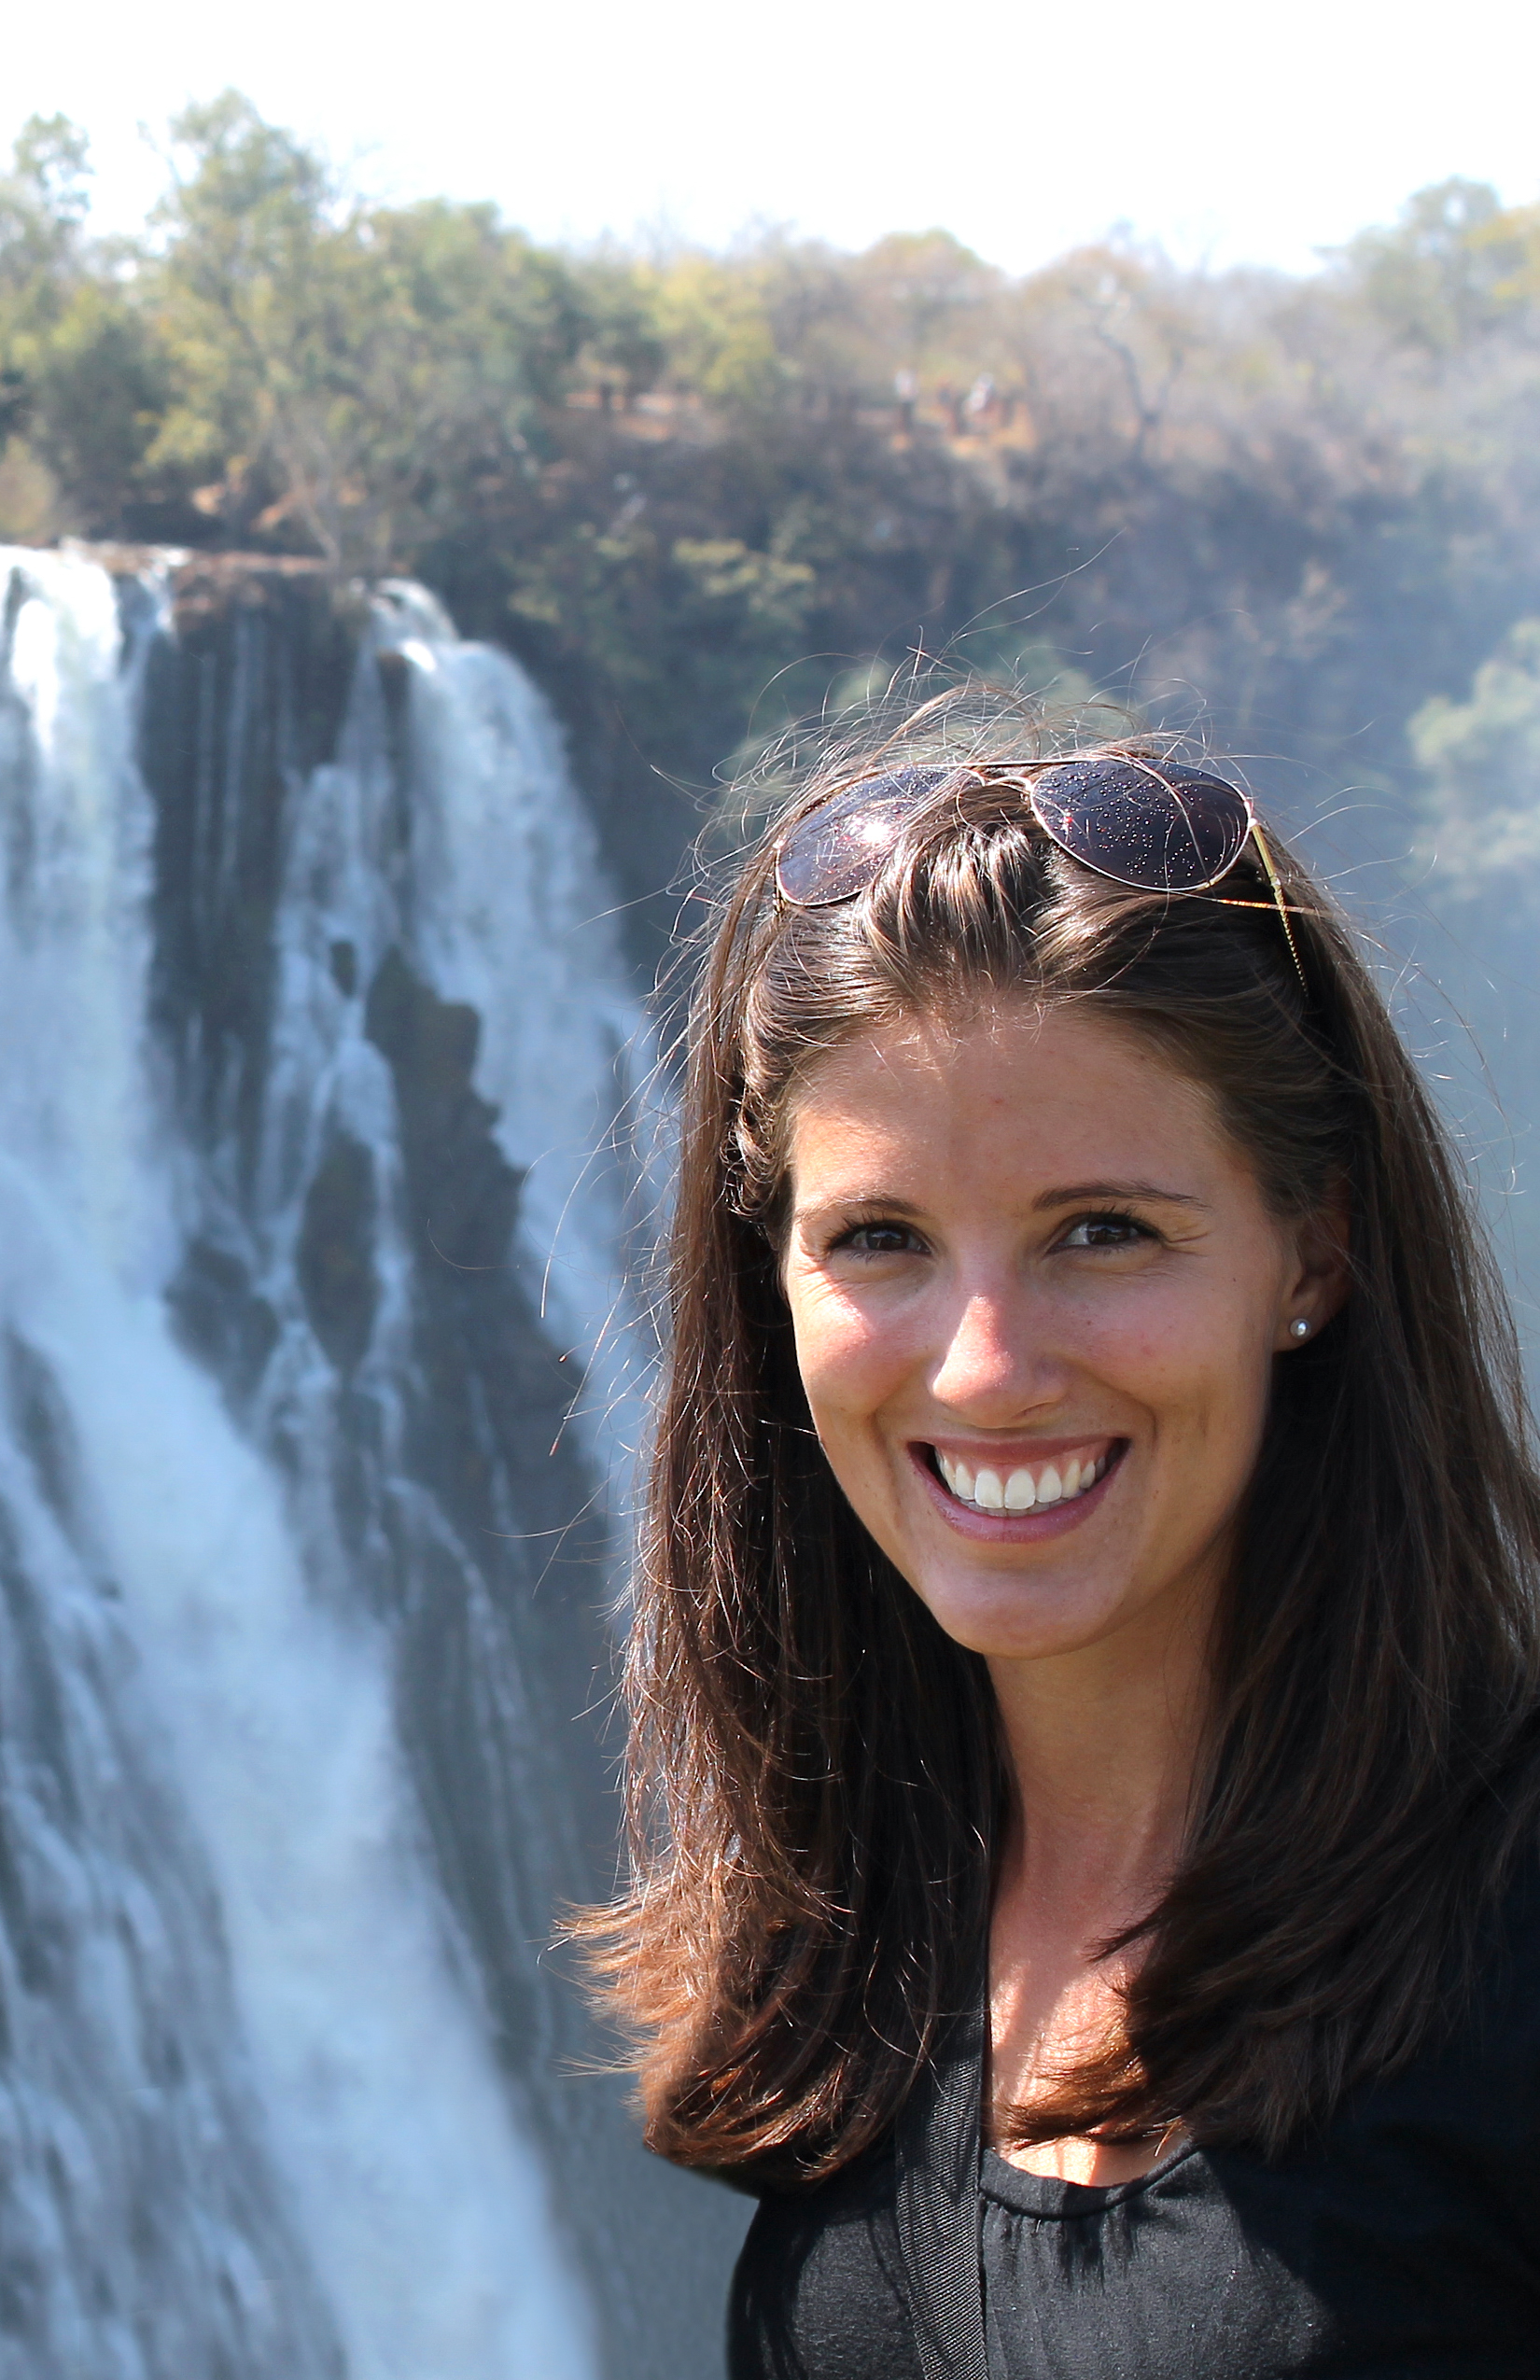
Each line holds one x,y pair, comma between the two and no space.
1105,1231
879,1239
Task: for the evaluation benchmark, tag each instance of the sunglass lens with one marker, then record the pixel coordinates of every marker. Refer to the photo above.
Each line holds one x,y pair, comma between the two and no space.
839,848
1170,829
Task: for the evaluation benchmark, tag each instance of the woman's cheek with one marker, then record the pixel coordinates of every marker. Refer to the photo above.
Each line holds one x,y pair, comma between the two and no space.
1131,1342
851,1360
1158,1339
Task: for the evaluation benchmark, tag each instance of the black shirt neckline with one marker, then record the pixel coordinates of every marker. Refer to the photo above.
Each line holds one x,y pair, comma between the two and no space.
1048,2199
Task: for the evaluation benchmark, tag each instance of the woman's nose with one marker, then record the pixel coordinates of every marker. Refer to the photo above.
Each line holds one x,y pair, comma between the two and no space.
994,1361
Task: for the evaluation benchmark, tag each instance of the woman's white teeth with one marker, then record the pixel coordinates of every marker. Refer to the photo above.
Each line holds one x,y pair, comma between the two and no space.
1021,1490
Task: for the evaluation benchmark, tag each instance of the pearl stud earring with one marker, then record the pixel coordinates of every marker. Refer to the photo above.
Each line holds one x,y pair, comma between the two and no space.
1300,1329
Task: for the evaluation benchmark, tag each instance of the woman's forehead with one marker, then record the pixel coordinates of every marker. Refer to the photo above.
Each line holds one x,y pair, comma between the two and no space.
1015,1090
1020,1037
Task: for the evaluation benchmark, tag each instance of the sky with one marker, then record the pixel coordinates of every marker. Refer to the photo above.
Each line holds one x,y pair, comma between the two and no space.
1228,132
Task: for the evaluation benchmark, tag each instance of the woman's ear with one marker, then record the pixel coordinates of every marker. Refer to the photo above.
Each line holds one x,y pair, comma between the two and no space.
1321,1278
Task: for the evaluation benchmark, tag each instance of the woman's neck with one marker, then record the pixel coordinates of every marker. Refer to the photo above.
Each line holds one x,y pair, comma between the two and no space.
1102,1749
1102,1746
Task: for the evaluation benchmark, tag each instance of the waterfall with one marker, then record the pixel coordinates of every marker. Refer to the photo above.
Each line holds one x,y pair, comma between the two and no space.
313,1224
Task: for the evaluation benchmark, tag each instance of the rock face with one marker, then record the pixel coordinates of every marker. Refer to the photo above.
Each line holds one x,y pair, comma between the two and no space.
320,1161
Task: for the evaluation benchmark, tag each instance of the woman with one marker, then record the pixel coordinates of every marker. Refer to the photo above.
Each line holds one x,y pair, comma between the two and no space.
1086,1662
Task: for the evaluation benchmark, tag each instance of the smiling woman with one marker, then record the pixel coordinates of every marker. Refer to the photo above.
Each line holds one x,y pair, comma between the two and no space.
1086,1660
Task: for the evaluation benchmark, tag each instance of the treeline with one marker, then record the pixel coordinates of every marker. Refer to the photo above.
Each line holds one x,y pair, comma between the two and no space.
673,482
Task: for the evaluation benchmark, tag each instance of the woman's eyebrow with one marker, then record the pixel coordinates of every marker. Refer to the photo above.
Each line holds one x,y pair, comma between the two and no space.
889,1204
1147,1193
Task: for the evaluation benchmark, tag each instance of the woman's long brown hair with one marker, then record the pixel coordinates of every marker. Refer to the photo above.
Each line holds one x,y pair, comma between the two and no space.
815,1776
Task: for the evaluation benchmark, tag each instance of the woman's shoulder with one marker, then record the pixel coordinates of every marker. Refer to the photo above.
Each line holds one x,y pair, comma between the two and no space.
865,2185
819,2284
1474,2084
1506,1999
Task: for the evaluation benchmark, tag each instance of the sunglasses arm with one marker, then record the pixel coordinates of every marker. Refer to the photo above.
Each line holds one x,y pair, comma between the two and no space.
1266,858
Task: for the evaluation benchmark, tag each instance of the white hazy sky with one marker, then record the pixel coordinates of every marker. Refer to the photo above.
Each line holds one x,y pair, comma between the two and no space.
1228,131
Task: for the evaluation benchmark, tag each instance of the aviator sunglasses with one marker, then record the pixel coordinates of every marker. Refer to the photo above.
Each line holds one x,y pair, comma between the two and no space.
1154,828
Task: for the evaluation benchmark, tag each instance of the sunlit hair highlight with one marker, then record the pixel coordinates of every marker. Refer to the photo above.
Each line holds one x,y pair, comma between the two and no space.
815,1779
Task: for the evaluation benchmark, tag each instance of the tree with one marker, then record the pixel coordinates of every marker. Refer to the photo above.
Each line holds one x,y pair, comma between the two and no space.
347,373
1449,271
1481,759
43,204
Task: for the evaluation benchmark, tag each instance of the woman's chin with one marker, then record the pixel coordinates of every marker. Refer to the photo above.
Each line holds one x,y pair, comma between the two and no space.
1027,1619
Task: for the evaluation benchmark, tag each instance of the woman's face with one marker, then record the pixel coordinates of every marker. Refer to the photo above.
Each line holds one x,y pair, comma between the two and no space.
1037,1295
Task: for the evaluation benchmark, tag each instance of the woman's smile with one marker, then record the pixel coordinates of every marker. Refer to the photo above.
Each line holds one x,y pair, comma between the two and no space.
1017,1494
1037,1293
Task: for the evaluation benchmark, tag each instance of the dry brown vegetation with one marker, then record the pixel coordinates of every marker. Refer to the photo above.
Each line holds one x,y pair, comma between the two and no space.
698,492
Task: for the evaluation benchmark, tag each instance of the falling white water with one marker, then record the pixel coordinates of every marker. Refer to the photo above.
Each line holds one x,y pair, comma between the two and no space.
400,2165
514,920
504,906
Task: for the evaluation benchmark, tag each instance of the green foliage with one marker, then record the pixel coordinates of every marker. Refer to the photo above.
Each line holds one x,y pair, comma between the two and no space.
43,204
1453,268
1482,762
100,387
343,373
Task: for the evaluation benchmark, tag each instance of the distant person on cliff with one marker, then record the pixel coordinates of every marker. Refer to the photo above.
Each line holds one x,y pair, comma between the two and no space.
1086,1654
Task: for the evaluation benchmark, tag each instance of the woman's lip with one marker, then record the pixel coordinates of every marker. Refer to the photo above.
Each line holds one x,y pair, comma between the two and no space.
1005,1455
1018,1528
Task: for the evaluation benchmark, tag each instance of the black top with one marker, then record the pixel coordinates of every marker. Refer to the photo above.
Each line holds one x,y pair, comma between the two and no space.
1404,2245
